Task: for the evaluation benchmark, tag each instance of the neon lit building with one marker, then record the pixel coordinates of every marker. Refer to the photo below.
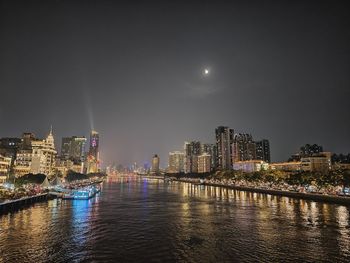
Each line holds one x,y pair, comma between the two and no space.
93,162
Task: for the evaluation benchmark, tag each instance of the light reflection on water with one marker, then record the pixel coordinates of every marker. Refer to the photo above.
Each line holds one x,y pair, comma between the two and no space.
140,219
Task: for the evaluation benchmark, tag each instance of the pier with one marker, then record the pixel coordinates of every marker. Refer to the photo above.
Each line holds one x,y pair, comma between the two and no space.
14,205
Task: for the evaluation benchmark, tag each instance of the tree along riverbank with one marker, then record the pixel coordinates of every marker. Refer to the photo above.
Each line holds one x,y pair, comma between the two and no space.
332,186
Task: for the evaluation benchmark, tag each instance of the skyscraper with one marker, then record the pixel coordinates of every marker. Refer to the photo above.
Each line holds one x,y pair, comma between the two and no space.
93,155
224,140
263,150
73,148
204,163
244,148
176,162
210,149
65,147
192,150
94,144
155,164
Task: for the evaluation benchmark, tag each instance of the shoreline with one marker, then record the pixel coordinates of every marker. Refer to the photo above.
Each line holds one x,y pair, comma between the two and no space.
18,204
340,200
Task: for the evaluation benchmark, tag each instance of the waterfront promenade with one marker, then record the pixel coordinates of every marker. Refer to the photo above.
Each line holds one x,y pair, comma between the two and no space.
13,205
336,199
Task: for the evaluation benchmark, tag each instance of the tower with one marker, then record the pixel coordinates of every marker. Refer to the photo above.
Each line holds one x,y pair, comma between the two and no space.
224,140
93,156
263,150
155,164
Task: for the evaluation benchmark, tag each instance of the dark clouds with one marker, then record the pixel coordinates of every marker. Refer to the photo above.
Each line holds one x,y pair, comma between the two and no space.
134,71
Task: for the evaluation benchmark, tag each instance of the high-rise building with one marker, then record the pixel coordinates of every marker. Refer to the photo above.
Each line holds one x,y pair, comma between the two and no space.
176,162
224,140
73,148
211,149
244,148
66,148
94,144
155,164
263,150
93,155
204,163
192,150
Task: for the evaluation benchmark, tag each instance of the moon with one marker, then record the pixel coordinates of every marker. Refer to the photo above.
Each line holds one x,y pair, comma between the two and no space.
206,71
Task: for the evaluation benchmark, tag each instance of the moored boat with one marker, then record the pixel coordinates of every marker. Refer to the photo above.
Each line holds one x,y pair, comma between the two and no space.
82,194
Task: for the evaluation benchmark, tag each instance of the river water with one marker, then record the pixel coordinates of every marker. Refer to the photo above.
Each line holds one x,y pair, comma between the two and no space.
148,220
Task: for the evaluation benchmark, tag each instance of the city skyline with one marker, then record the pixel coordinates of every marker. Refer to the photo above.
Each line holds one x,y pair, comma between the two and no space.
174,131
151,77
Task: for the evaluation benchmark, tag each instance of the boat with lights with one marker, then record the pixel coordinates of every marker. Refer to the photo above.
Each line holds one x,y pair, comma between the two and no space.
82,193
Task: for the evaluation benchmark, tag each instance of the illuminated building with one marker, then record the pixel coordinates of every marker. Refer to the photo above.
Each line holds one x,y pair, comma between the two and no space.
315,164
155,164
192,150
94,144
43,156
286,166
263,150
93,155
27,139
23,162
250,166
63,166
211,149
73,148
176,162
9,148
204,163
307,150
5,163
244,149
224,140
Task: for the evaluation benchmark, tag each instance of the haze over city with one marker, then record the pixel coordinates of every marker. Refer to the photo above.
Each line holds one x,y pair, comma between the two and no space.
135,72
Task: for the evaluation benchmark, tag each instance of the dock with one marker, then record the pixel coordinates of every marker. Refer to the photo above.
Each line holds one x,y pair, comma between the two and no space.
14,205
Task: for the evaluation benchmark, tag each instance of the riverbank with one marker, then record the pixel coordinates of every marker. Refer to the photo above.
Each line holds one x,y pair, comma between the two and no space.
341,200
15,205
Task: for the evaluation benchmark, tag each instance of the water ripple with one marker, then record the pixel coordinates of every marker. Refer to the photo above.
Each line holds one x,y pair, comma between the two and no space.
146,220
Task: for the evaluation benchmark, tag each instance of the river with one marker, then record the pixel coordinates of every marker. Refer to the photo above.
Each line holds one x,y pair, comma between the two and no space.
138,219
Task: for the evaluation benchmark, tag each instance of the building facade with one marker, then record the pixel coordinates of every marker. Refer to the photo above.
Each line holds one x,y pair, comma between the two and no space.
250,166
204,163
263,150
315,164
43,156
176,162
224,141
73,148
286,166
93,162
155,164
211,149
5,164
192,150
244,148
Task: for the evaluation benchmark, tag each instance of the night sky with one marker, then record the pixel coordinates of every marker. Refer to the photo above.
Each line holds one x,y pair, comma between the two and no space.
134,72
